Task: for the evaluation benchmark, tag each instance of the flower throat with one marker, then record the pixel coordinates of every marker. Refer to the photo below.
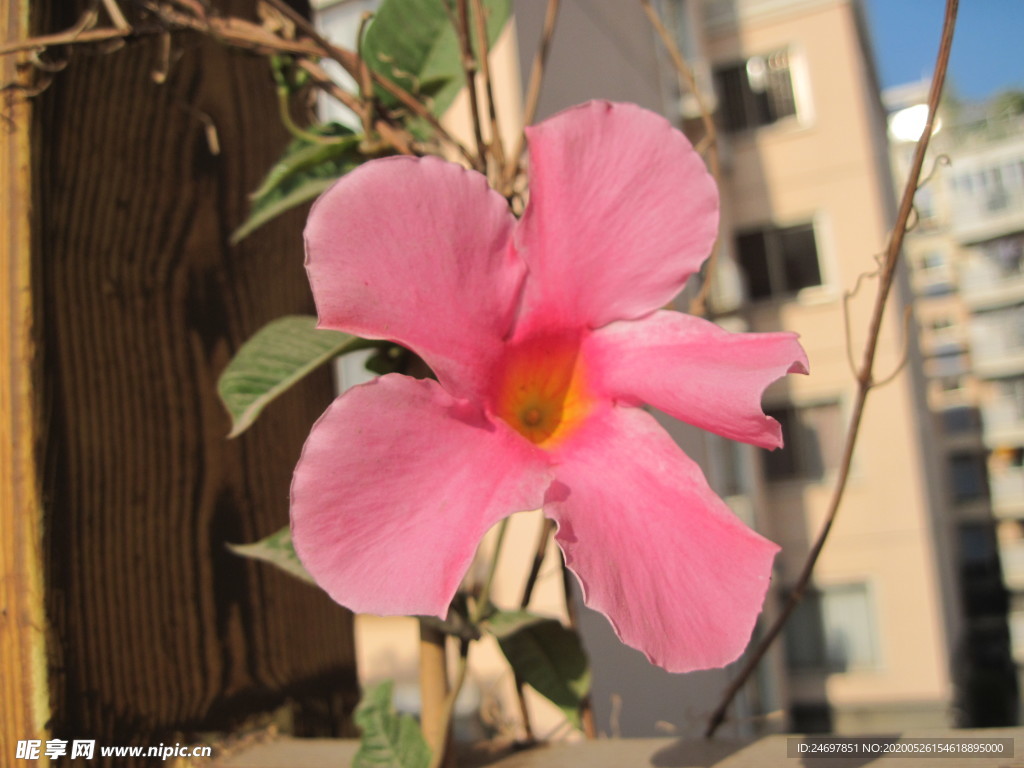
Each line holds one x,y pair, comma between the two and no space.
541,388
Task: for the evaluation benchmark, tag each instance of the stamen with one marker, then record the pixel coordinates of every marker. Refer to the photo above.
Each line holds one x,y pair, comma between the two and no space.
532,417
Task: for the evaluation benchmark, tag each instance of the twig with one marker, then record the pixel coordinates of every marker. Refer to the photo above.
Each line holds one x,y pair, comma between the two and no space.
904,355
547,526
496,147
586,706
476,614
434,690
709,142
865,380
539,552
115,14
395,137
469,68
533,90
366,93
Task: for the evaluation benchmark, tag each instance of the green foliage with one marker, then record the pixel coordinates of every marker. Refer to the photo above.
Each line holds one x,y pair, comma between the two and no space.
277,550
413,43
389,740
279,355
306,169
546,655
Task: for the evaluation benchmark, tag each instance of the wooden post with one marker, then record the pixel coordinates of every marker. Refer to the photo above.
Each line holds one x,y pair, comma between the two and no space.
125,617
23,689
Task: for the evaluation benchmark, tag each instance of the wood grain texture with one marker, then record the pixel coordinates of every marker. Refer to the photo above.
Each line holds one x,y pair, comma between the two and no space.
23,692
141,303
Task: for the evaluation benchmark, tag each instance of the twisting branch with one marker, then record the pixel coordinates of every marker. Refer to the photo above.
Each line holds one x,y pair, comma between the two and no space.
865,375
708,144
166,18
533,90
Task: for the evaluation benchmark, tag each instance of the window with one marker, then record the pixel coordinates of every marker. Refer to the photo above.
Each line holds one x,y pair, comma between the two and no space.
933,260
947,365
726,470
951,383
967,474
833,630
959,420
1011,392
813,438
755,92
778,261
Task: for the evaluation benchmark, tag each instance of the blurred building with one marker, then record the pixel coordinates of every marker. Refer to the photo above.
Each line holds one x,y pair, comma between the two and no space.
965,255
879,644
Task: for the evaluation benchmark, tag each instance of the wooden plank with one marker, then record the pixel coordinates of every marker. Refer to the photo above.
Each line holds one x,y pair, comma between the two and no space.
156,626
23,693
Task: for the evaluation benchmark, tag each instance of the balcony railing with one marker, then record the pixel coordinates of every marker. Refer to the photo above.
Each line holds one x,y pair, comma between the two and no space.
1011,555
984,284
1007,492
997,346
1003,422
1016,622
981,217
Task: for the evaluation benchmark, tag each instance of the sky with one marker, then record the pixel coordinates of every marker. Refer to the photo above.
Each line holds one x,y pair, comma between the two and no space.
988,44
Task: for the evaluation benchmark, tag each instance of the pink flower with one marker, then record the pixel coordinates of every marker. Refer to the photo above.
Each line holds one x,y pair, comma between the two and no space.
545,335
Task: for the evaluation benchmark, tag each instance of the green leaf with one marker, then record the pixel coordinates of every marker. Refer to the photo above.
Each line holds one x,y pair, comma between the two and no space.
545,654
279,355
277,550
301,156
389,740
304,171
413,43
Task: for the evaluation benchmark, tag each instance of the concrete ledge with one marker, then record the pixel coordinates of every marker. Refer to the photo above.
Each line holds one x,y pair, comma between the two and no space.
639,753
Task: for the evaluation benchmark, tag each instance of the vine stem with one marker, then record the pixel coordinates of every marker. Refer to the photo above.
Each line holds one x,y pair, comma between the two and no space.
447,709
865,380
435,723
533,90
495,146
540,549
469,68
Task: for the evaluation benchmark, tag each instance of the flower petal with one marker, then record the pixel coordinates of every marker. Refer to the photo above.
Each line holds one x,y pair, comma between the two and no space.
697,372
397,483
674,570
417,251
622,211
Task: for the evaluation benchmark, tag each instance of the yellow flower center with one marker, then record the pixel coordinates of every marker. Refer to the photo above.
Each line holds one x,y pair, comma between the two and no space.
542,390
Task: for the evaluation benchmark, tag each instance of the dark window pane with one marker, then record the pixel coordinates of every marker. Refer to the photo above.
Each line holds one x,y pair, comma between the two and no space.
833,630
755,92
731,82
967,474
959,420
752,254
813,438
783,463
778,261
799,253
